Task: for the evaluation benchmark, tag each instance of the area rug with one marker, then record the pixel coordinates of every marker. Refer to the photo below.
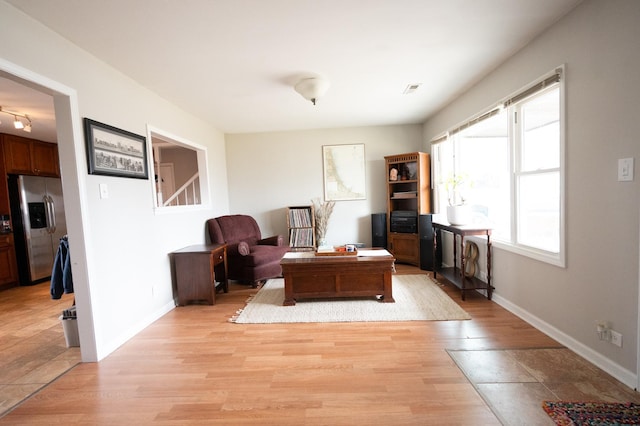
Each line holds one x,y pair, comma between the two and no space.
417,298
592,413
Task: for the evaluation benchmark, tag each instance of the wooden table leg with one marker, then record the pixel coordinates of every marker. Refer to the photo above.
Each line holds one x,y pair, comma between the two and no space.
434,246
489,287
288,292
462,277
387,297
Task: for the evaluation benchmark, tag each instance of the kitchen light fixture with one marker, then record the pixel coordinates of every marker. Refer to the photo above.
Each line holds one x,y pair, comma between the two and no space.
20,121
312,88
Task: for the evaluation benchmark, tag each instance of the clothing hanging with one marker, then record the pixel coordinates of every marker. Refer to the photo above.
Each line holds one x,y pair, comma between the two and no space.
61,278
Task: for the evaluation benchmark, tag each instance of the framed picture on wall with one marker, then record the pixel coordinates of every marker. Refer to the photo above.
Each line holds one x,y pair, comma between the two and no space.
344,172
115,152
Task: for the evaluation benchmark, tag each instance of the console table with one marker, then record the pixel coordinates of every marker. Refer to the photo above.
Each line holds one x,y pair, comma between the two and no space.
456,275
197,269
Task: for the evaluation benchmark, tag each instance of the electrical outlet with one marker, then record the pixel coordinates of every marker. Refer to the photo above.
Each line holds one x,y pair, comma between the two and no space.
602,327
616,338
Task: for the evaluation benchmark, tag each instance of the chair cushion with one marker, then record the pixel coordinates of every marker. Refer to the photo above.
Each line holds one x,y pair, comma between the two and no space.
232,229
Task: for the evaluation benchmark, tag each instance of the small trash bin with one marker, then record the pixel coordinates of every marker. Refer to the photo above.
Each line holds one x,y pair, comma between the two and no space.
70,327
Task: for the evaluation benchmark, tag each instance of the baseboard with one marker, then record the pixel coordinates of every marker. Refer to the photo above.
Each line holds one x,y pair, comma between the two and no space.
625,376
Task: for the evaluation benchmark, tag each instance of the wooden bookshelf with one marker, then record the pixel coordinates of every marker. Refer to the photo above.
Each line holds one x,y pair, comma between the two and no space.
408,195
301,223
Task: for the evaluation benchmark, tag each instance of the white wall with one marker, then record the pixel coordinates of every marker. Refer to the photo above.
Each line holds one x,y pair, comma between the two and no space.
598,42
118,246
269,171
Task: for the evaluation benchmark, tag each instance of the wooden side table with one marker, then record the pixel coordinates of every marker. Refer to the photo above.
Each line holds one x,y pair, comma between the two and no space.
455,275
197,269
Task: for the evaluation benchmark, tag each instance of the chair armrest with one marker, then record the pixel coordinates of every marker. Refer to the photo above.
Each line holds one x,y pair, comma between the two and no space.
276,240
243,248
234,249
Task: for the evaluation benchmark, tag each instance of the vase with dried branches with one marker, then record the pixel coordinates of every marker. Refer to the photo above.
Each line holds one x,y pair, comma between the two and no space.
322,212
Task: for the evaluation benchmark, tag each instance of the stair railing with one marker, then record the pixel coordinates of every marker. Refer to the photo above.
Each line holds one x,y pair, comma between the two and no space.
186,195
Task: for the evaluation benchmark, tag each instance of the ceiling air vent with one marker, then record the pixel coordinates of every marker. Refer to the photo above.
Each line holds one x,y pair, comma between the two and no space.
411,88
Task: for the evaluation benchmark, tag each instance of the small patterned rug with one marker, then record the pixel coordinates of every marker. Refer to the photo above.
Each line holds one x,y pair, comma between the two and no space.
592,413
417,298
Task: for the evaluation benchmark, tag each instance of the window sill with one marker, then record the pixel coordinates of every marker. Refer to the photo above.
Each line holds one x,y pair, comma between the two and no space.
556,259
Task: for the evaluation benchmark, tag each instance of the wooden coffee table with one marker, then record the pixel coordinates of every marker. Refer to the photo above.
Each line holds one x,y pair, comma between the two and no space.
308,276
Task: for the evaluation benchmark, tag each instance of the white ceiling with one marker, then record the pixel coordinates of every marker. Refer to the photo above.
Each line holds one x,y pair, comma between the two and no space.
16,97
234,62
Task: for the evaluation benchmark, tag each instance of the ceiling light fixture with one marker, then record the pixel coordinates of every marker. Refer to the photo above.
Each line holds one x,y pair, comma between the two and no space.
312,88
17,123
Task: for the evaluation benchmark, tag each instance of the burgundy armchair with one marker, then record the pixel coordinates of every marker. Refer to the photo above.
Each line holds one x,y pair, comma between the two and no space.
251,259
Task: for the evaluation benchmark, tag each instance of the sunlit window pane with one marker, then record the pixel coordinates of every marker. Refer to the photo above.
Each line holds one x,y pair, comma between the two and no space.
539,211
541,132
484,157
444,170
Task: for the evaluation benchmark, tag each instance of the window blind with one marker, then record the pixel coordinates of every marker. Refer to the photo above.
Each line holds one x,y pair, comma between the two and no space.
440,139
476,120
541,85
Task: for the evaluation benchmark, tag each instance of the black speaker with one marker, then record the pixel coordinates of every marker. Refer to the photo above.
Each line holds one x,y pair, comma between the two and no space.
425,229
379,230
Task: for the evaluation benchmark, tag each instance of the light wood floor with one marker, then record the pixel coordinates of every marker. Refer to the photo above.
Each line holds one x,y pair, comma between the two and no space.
192,366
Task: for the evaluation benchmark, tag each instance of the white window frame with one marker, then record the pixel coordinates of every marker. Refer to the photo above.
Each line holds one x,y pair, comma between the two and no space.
515,134
559,258
203,170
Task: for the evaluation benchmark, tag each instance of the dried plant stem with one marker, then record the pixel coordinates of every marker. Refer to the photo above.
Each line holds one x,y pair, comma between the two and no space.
322,213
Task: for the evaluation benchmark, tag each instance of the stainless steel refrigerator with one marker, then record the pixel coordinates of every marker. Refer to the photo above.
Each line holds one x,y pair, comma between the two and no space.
41,225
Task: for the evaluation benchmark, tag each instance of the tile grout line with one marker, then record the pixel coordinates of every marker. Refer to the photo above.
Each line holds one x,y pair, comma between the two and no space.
32,394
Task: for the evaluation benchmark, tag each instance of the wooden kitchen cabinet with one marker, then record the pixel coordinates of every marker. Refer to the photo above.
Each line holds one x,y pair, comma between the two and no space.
5,206
44,159
8,265
30,157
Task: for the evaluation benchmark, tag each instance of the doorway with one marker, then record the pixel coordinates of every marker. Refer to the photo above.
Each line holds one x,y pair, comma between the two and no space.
167,182
67,128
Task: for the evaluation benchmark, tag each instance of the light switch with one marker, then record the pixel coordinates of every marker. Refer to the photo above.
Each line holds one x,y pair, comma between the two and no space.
625,169
104,190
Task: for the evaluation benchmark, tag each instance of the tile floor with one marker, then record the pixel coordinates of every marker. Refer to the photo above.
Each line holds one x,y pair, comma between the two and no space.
33,350
515,382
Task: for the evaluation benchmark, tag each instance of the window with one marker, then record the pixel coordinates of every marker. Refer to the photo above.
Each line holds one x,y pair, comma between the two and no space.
513,156
537,172
178,165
